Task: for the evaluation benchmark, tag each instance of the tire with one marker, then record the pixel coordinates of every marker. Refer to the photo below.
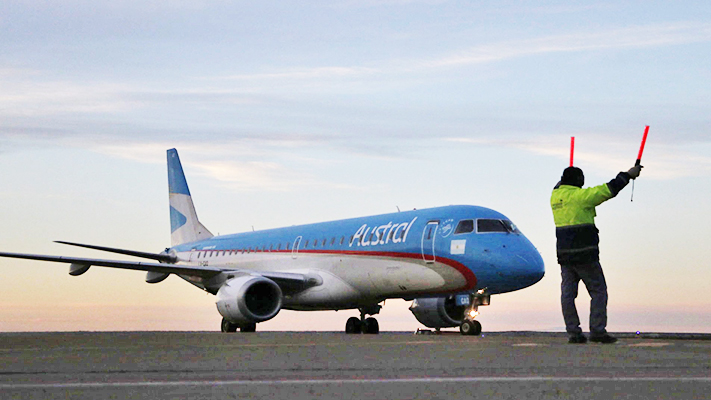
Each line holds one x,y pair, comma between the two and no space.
228,326
250,327
371,326
470,327
353,325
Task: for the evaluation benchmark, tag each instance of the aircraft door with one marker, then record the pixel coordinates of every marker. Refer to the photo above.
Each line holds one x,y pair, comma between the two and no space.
428,241
295,248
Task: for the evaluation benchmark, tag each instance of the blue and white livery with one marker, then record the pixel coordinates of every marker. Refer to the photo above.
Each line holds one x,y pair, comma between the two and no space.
449,260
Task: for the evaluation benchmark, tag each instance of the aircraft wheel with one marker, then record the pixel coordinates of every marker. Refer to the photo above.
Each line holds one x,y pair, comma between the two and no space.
371,326
250,327
470,327
228,326
353,325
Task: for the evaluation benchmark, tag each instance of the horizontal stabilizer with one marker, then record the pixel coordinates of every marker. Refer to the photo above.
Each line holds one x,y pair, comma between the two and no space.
162,257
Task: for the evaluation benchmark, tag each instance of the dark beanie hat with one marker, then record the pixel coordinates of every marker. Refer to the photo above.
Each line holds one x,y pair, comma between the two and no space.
572,176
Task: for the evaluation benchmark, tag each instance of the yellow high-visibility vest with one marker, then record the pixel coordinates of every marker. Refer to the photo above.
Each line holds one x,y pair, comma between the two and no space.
572,205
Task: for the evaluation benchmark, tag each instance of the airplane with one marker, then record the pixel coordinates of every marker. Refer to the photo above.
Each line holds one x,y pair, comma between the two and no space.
447,260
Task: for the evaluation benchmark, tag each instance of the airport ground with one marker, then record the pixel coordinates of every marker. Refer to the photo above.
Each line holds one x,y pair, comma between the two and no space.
296,365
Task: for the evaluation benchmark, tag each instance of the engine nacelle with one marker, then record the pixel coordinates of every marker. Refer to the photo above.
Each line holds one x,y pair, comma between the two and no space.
438,312
249,299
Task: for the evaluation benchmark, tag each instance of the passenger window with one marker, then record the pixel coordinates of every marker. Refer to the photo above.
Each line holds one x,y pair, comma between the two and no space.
198,256
351,241
306,244
288,246
278,246
464,226
342,239
323,243
333,240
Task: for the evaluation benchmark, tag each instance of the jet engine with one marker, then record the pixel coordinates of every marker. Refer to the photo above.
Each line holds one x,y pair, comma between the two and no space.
249,299
438,312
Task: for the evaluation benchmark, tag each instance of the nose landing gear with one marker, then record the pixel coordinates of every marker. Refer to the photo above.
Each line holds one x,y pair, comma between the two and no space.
364,325
469,325
472,327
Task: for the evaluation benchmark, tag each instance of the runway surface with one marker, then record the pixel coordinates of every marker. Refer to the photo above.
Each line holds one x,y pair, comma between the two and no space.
281,365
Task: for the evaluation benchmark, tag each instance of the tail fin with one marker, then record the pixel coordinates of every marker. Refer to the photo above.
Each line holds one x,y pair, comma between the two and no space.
184,224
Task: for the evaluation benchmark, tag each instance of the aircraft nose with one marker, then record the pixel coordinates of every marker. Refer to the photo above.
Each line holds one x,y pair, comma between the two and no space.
532,269
526,264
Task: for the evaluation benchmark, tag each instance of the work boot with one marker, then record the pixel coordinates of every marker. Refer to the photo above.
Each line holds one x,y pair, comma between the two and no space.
604,338
577,338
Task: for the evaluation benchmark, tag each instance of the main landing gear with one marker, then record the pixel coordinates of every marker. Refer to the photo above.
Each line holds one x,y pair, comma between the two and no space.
363,324
228,326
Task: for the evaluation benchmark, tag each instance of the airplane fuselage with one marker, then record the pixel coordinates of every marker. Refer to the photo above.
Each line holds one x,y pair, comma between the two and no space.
417,253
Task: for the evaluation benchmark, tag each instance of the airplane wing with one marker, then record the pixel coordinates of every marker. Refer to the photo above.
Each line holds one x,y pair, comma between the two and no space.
290,281
203,272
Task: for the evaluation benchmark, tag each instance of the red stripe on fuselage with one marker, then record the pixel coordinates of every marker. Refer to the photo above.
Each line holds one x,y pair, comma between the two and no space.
461,268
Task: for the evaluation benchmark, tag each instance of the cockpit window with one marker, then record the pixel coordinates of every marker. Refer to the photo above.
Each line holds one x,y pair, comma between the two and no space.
464,226
495,225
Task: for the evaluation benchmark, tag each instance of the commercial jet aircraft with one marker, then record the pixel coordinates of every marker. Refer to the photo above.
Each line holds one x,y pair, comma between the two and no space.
449,260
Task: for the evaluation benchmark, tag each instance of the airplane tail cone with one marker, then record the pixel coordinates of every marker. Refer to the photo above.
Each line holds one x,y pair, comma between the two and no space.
184,224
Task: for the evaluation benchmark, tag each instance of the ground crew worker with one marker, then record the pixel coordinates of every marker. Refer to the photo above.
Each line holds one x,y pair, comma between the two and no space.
577,248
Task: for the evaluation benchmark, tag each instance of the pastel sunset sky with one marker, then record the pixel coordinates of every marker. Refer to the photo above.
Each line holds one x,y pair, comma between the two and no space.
288,113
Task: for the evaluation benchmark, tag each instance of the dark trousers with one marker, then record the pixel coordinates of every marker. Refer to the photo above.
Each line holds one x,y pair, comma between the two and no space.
594,280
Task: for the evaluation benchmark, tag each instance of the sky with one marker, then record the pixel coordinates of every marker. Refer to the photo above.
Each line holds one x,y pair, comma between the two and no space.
288,113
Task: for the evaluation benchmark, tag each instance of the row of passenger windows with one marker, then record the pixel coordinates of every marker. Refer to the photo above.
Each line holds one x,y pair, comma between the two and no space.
464,226
313,243
272,247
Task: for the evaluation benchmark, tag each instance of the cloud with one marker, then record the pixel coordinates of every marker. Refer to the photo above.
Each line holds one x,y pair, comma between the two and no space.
624,38
241,165
611,39
608,154
33,97
308,73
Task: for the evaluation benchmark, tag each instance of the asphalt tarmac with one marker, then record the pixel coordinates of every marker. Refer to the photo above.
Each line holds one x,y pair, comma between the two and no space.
289,365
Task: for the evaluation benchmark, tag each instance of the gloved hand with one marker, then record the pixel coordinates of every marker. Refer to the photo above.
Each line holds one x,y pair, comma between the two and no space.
634,171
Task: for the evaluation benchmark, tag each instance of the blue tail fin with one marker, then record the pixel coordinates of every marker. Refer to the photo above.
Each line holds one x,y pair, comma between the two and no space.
184,224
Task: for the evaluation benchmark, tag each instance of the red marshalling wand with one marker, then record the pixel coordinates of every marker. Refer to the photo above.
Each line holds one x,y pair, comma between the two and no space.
639,156
572,149
641,147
